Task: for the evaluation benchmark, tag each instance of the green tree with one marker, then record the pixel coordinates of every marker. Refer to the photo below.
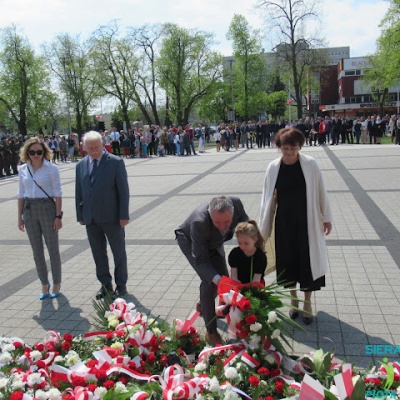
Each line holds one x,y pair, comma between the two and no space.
68,57
379,78
24,81
188,70
388,44
276,103
249,68
214,106
146,40
296,52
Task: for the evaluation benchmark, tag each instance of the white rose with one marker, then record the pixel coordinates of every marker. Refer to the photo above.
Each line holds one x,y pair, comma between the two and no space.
54,394
156,331
200,367
255,327
120,388
8,347
272,317
41,395
5,358
34,379
214,385
231,373
100,392
3,383
254,339
275,334
35,355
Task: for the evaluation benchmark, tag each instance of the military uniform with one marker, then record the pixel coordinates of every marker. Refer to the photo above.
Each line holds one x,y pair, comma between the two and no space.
15,146
1,159
6,156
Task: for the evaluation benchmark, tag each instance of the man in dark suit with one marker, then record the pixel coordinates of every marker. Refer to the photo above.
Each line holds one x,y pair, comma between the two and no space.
201,238
102,204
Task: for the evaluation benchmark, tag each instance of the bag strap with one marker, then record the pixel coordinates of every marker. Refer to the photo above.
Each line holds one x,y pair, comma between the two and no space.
39,185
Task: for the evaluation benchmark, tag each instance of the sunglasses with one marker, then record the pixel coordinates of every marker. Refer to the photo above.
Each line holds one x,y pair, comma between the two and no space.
33,152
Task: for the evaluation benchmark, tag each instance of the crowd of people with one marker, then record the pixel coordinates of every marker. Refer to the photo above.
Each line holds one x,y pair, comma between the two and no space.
153,140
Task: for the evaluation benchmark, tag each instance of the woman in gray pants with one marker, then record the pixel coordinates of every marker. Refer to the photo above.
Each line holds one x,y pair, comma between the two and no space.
39,210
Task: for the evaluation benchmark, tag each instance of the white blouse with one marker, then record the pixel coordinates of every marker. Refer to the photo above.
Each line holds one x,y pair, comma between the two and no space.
47,176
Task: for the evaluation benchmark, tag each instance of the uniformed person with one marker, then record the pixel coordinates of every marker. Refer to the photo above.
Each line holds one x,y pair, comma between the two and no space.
2,175
6,155
15,146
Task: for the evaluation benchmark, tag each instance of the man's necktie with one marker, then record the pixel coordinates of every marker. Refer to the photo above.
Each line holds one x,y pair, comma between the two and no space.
93,170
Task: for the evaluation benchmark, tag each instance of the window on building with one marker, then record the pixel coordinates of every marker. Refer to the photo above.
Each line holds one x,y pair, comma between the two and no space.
349,73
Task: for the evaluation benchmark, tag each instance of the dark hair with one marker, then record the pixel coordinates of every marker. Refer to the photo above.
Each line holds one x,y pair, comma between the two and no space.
290,136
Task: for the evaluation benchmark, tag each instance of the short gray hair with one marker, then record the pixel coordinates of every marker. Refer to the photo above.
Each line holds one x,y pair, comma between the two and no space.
220,204
92,136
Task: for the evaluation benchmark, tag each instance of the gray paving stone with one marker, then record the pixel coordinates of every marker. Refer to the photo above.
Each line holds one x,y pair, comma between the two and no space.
358,306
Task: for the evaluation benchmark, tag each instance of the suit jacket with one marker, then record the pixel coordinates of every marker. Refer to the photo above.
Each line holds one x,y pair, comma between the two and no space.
205,237
106,199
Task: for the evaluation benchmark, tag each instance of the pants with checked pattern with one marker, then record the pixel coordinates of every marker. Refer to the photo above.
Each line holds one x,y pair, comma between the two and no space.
39,215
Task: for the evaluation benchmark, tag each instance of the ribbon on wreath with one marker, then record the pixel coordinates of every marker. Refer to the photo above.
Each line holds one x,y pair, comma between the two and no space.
184,326
80,393
176,387
141,339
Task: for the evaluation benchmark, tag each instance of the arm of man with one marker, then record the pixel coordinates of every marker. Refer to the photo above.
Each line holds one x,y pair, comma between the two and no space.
78,196
122,188
200,238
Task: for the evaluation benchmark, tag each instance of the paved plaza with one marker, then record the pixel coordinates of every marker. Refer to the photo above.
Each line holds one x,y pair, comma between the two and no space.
358,307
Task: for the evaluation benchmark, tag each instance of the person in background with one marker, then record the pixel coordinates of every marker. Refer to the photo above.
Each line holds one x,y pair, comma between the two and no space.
39,210
295,199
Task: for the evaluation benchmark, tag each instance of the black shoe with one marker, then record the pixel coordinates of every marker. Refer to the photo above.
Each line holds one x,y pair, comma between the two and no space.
308,320
120,291
103,291
293,314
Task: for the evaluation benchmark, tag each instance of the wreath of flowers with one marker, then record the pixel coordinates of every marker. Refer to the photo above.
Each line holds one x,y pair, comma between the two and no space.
131,356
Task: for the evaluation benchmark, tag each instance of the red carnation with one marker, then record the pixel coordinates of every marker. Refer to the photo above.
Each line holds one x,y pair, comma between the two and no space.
109,335
101,374
269,398
68,337
40,385
263,371
68,396
78,381
245,305
254,381
151,358
279,386
92,387
18,345
164,360
38,347
119,333
113,352
251,319
66,346
16,396
275,372
108,384
41,364
123,379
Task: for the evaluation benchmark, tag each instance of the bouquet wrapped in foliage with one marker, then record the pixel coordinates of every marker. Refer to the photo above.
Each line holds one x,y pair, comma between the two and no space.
131,356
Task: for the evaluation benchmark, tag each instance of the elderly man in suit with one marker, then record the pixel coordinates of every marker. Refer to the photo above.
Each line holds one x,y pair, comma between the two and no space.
201,239
102,205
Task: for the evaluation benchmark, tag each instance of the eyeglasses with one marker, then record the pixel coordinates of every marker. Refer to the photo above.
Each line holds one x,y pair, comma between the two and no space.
33,152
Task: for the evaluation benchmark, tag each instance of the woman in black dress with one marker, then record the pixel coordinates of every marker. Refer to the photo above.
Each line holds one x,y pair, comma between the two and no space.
294,189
